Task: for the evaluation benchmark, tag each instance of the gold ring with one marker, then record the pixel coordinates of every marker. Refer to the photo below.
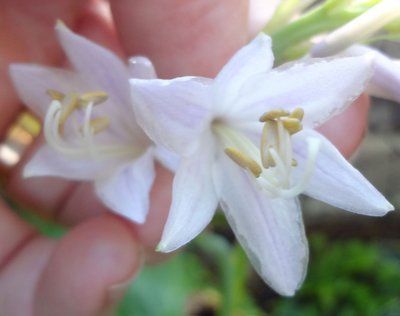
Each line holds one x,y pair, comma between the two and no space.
19,136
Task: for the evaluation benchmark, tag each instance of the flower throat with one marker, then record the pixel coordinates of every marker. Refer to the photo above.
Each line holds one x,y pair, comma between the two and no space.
80,143
271,164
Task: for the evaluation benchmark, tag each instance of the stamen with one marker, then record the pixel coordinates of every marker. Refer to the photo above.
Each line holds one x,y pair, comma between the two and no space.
269,133
297,113
272,163
292,125
244,161
95,97
99,124
55,95
273,114
82,145
70,103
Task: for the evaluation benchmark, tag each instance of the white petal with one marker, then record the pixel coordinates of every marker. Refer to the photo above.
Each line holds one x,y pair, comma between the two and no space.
323,88
337,182
48,162
172,112
32,81
141,67
271,231
193,201
97,63
385,81
167,158
251,60
127,191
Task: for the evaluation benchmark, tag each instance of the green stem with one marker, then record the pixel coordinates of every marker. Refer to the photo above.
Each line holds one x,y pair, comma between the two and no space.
318,20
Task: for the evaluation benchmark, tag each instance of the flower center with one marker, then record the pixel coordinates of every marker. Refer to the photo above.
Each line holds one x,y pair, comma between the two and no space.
271,164
79,141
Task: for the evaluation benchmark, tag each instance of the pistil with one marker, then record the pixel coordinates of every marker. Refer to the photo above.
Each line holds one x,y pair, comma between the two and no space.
80,145
271,164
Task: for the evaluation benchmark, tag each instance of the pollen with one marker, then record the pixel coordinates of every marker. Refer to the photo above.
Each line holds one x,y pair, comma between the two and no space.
244,161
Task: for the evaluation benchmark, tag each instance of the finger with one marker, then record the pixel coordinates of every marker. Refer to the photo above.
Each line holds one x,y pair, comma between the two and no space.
182,38
347,130
88,270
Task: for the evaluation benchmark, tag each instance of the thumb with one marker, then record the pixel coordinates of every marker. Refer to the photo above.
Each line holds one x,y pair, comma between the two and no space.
192,37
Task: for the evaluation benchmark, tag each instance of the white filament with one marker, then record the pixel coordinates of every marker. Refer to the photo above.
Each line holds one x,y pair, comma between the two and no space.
275,180
83,148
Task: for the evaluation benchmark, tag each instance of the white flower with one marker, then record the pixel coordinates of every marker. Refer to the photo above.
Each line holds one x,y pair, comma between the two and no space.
214,124
385,81
90,126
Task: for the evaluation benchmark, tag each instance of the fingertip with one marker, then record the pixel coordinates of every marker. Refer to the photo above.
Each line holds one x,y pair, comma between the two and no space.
87,267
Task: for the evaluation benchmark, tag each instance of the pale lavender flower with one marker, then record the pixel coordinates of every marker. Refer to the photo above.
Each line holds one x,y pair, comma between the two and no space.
255,170
89,123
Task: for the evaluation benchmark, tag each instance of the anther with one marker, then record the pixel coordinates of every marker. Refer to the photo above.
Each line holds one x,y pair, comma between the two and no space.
273,114
294,163
297,113
292,125
95,97
244,161
55,95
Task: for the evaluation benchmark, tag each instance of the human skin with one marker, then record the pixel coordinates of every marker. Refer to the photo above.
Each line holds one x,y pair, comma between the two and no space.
85,272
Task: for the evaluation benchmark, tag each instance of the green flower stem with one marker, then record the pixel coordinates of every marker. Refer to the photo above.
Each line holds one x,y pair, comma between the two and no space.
317,21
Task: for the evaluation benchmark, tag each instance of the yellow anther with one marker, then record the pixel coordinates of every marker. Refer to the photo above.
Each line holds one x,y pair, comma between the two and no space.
55,95
244,161
294,163
99,124
292,125
297,113
273,114
94,97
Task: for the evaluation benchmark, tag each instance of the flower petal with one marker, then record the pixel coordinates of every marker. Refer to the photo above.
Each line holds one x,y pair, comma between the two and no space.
167,158
97,63
322,88
251,60
32,81
337,182
127,191
172,112
193,201
271,231
385,80
48,162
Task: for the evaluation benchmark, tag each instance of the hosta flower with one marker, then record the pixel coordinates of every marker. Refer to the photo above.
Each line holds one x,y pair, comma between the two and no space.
248,143
89,124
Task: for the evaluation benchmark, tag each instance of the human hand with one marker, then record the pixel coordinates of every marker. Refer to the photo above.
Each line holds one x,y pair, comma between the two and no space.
85,272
